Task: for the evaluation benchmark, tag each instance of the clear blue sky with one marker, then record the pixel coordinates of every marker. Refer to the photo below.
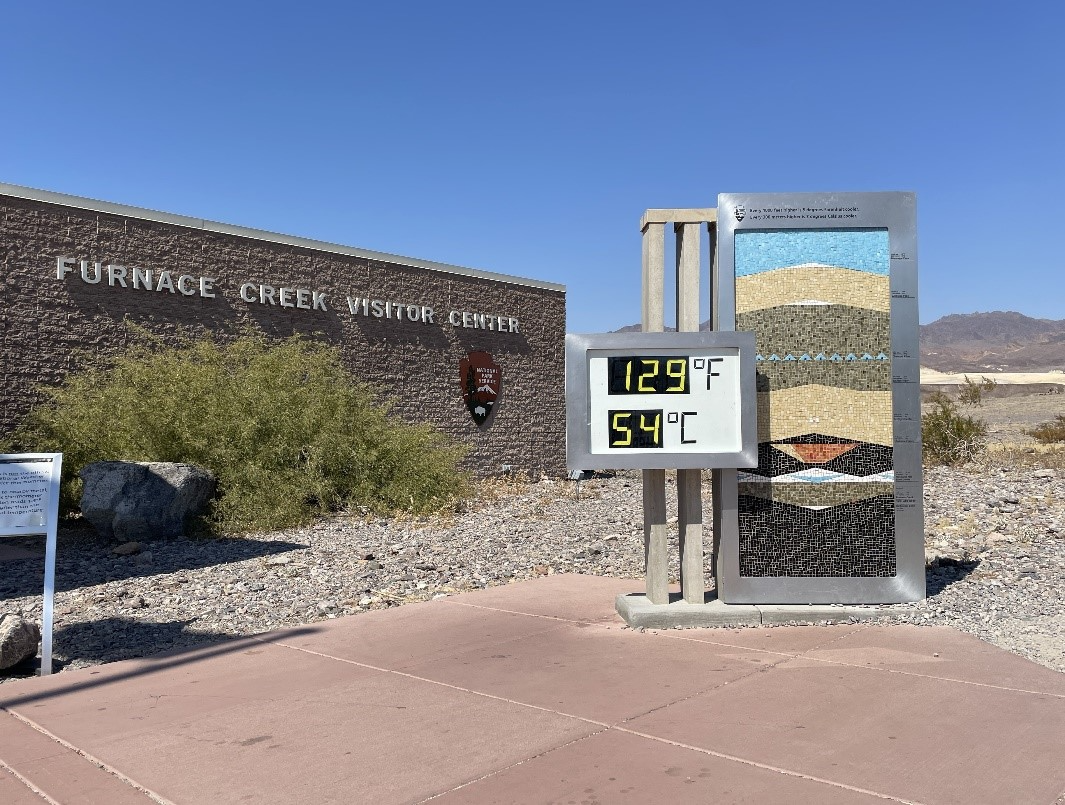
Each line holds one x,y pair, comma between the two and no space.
529,138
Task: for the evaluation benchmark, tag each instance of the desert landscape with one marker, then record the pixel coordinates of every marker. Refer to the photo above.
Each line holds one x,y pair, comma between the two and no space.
994,342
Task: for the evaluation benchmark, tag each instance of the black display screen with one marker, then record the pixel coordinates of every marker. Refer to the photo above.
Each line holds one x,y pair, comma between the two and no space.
635,428
654,374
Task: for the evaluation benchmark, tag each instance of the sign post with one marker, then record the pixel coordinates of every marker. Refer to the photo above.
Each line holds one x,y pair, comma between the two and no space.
658,401
29,506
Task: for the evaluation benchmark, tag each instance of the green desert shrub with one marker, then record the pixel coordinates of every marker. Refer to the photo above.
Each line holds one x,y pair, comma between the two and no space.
286,430
973,392
948,436
1050,432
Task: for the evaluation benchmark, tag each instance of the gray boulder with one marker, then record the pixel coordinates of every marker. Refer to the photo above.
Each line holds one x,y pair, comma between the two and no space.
134,500
18,640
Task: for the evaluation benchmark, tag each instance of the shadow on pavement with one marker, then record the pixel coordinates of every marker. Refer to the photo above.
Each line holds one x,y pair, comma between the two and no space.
201,646
84,560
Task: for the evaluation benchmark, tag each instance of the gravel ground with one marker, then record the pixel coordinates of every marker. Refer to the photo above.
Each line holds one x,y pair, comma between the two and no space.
995,547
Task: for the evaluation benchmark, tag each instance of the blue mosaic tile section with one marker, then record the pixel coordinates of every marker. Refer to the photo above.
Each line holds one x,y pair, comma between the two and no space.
856,249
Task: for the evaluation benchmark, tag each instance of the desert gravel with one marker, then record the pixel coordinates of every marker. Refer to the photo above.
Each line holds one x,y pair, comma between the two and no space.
995,541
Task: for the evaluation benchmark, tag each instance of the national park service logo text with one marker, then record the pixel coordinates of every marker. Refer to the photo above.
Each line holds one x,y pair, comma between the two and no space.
482,383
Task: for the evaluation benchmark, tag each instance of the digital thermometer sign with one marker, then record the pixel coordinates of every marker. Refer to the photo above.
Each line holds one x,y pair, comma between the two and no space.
660,401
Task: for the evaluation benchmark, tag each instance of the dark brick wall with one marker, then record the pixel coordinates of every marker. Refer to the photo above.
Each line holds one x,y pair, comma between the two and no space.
45,322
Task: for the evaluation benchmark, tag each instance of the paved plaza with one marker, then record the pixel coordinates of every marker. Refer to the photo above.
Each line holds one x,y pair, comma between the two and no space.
536,692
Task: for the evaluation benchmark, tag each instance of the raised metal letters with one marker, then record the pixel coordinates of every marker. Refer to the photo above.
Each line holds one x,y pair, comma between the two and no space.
135,278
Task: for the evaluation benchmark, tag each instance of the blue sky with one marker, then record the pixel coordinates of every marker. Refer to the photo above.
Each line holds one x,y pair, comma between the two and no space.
529,138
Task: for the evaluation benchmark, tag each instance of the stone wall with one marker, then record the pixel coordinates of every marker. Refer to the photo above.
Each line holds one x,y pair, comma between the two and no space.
411,354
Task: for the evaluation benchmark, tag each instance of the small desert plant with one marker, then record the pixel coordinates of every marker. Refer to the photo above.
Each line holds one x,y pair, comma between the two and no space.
973,392
286,430
1050,432
950,437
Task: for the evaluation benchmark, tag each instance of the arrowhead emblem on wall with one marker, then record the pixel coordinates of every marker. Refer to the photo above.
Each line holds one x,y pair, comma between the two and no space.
482,384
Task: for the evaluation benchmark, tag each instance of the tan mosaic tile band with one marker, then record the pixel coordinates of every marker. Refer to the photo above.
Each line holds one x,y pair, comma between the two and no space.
863,416
819,495
837,286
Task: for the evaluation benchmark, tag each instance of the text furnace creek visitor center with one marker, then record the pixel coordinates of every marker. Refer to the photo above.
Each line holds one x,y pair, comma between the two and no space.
478,355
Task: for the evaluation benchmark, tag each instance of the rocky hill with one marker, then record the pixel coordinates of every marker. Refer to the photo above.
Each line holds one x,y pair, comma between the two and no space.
997,341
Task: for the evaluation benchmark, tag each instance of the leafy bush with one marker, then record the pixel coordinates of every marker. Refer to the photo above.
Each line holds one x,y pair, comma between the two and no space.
973,392
1050,432
287,432
948,436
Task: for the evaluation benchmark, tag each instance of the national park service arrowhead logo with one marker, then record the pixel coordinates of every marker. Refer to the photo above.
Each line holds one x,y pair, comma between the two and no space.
482,383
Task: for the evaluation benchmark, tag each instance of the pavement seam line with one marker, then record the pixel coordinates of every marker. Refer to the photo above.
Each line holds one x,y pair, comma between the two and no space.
704,691
586,720
513,765
519,612
1005,688
441,684
803,655
767,767
791,655
158,798
29,784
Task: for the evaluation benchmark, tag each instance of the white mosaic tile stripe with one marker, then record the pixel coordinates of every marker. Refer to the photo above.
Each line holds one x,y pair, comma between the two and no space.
818,475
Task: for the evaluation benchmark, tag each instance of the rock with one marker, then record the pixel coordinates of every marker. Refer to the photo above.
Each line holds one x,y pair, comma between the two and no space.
1046,473
126,549
944,557
130,500
327,607
18,640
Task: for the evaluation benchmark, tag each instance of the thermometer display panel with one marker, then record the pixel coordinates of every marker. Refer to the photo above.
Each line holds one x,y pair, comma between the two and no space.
660,400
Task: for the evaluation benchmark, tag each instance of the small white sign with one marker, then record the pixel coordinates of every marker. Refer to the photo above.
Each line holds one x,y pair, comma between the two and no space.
29,506
24,490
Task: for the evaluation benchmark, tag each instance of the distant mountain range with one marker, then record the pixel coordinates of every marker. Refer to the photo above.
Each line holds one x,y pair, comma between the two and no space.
1000,341
997,341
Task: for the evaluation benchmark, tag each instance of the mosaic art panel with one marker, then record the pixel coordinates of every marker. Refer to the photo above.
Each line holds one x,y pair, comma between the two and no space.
821,501
850,540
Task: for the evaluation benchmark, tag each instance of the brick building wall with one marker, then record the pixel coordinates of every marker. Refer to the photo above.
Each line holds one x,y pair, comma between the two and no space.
231,275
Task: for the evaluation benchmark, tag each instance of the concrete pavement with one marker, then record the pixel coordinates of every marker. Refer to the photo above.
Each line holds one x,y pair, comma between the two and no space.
536,692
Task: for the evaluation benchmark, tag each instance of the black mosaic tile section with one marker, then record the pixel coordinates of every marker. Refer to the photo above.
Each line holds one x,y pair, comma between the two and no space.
865,459
852,540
